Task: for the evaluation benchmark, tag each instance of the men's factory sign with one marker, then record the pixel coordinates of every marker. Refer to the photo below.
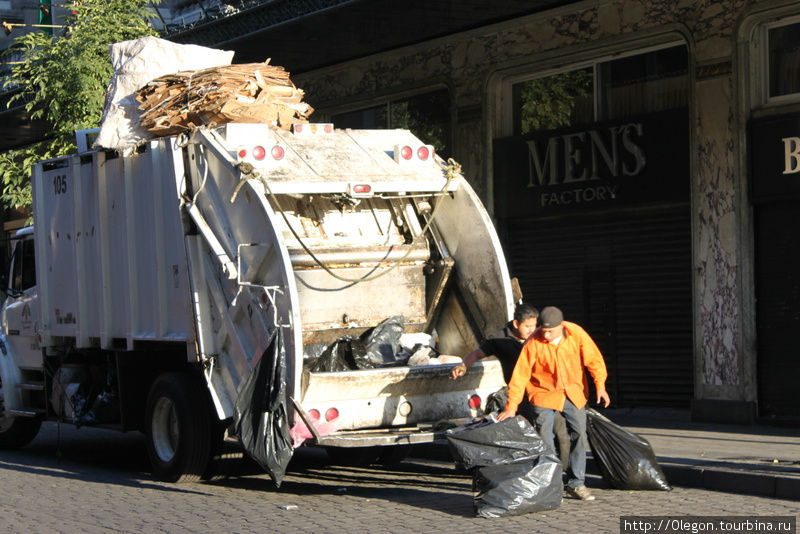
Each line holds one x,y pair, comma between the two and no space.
598,166
775,158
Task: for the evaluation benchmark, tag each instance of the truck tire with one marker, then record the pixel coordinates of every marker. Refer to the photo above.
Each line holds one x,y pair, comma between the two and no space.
227,458
179,428
15,432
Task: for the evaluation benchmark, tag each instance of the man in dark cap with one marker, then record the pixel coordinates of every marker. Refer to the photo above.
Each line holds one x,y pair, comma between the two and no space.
550,371
505,345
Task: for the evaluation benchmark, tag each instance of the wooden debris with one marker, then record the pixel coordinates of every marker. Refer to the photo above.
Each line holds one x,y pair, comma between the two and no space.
251,92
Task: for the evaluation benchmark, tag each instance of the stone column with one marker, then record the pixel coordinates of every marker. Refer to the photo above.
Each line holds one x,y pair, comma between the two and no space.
724,391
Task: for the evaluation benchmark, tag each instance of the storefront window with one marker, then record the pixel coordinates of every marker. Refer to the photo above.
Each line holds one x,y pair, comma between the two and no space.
427,115
620,88
547,103
644,83
784,60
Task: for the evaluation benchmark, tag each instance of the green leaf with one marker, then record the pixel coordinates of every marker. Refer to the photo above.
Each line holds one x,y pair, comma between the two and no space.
62,79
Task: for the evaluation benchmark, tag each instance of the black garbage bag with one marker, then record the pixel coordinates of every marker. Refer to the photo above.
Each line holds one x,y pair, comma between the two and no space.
345,354
513,473
314,350
626,460
382,342
260,418
496,402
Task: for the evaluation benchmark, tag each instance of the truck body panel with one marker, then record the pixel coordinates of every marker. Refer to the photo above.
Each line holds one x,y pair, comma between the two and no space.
112,266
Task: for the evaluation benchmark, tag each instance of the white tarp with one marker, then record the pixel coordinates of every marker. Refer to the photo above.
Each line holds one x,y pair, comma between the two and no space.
136,63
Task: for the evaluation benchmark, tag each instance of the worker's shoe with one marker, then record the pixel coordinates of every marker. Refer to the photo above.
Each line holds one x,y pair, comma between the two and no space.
581,492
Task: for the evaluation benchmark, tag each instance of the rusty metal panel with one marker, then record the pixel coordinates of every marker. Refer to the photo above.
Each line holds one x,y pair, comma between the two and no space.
327,303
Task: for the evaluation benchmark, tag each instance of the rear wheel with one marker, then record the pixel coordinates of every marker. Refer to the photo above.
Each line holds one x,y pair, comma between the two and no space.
180,428
15,432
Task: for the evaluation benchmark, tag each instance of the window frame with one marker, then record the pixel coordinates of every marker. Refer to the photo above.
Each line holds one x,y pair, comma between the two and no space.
593,64
762,38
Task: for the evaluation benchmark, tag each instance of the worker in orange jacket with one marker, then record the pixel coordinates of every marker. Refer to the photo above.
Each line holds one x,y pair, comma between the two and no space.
550,372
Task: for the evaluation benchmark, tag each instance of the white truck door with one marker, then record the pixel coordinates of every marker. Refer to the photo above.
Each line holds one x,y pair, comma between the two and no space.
21,309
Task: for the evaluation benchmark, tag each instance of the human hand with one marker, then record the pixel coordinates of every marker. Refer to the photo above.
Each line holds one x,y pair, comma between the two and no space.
602,395
506,414
458,371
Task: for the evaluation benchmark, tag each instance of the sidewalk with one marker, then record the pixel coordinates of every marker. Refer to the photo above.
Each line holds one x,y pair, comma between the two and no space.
758,460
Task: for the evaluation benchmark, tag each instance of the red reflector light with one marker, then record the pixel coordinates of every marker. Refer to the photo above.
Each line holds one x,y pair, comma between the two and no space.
328,128
362,189
331,414
474,402
406,152
259,153
242,153
314,414
277,152
297,128
423,152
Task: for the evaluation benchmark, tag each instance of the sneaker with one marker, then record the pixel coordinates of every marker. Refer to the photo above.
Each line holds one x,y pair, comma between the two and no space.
581,492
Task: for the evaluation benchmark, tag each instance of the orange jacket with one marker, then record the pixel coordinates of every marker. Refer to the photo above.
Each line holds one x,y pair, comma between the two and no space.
549,373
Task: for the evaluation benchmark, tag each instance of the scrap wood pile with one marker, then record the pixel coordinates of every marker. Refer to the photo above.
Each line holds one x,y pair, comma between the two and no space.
251,92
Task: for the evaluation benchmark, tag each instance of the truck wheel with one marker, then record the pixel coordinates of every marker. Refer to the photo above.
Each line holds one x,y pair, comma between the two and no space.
15,432
227,457
179,428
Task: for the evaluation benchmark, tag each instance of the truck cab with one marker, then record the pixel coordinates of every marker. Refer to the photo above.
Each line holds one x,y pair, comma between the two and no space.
21,384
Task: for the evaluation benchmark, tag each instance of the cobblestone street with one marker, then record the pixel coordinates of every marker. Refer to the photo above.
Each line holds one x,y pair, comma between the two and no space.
100,483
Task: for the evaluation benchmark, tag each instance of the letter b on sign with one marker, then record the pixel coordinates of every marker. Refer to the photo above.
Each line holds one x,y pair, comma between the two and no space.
791,155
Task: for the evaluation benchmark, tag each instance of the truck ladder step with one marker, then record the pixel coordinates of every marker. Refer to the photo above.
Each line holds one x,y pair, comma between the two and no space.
26,413
35,386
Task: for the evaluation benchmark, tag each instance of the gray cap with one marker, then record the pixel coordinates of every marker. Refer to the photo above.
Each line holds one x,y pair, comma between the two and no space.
550,317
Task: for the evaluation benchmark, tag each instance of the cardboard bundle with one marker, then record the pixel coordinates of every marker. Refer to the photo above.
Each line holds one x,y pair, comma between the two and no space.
251,92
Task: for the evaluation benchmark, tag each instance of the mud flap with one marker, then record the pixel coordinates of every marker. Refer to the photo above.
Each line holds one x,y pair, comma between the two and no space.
261,418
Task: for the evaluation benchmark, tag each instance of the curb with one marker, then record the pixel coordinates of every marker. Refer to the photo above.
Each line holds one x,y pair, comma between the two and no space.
712,478
752,483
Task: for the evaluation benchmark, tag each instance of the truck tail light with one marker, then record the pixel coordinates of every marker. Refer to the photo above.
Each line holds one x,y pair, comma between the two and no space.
300,128
474,402
260,153
331,414
313,414
360,190
409,153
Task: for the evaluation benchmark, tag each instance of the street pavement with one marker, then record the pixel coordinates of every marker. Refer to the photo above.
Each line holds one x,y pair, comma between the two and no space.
757,459
96,481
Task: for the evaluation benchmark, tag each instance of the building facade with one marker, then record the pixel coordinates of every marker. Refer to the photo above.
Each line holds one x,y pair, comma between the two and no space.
641,160
651,198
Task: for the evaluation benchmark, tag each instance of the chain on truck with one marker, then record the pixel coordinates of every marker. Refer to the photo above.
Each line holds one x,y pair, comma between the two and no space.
151,285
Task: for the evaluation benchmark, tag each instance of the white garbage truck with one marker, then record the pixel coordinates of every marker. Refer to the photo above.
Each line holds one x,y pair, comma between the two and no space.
152,284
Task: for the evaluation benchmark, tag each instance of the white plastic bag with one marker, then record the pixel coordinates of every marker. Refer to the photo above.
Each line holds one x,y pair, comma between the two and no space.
136,63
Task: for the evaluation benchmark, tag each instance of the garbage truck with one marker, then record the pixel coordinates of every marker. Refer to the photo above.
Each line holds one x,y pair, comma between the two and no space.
152,284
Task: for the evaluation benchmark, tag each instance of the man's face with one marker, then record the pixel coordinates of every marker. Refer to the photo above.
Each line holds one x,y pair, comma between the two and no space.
550,334
525,328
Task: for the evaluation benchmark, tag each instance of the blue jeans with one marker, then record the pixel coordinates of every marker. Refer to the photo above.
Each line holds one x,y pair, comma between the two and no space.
576,425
